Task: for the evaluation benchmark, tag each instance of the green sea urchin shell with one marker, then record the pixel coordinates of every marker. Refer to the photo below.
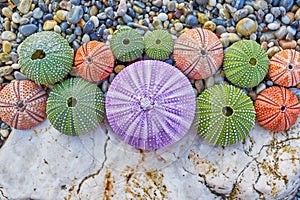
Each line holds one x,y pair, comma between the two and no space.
225,114
75,106
159,44
127,45
246,63
45,57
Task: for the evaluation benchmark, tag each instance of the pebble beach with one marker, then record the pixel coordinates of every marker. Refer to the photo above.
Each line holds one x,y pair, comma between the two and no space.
273,24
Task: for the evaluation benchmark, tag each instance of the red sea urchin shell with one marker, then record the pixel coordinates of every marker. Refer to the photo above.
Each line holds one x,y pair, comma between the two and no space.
23,104
285,68
198,53
94,61
150,104
277,108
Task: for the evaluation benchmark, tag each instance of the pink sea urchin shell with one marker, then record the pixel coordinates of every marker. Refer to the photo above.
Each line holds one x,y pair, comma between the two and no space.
150,104
94,61
23,104
198,53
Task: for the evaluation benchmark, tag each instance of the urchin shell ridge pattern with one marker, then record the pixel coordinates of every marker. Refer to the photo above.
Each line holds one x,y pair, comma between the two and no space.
86,113
214,125
56,63
237,66
159,44
127,45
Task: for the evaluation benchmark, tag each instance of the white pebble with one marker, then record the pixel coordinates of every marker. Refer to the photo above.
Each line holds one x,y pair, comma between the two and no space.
85,38
16,17
285,20
4,132
269,18
15,66
274,26
162,16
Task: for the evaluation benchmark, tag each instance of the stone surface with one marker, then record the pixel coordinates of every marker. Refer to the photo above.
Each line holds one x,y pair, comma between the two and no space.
98,165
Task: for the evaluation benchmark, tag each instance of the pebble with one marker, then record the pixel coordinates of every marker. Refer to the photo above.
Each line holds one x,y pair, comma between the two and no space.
5,70
252,95
297,14
210,26
37,13
296,91
238,15
171,6
88,27
95,20
209,82
28,29
85,38
4,132
246,27
62,15
122,9
220,29
8,35
199,85
275,11
260,88
15,66
109,13
163,17
285,20
269,18
49,25
57,29
202,18
118,68
269,83
271,51
16,18
191,20
260,4
273,26
7,12
75,14
287,4
281,32
93,11
19,76
288,44
24,6
178,26
6,47
291,30
104,86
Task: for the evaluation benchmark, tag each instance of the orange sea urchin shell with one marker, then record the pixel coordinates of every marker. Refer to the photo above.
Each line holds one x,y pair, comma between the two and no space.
94,61
285,68
23,104
277,108
198,53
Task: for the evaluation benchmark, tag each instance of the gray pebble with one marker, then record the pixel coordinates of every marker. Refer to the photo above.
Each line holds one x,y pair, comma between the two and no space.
127,18
109,12
122,9
111,77
260,88
209,82
240,14
162,16
281,32
273,26
28,29
178,26
171,6
285,19
275,11
37,13
291,30
75,14
85,38
19,76
157,3
104,86
15,66
220,29
269,18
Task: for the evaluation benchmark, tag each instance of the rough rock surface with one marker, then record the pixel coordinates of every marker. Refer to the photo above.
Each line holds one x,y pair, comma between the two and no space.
44,164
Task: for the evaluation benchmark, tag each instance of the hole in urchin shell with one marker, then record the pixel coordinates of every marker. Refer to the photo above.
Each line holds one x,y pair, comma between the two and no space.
89,59
126,41
290,67
71,102
157,41
38,54
202,52
20,105
253,61
283,108
227,111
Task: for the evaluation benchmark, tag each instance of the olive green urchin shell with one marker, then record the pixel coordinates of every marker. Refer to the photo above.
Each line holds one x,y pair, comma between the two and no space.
225,115
127,45
246,63
45,57
75,106
159,44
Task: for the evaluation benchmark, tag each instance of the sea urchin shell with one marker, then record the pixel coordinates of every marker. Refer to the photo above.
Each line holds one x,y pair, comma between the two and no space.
150,104
75,106
45,57
277,108
285,68
23,104
246,63
198,53
225,115
158,44
94,61
127,45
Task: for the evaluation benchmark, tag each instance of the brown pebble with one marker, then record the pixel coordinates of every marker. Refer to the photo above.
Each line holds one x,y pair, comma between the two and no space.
202,18
62,15
210,26
94,11
49,25
7,12
9,77
6,46
297,14
246,27
264,45
7,25
252,95
119,68
81,23
288,44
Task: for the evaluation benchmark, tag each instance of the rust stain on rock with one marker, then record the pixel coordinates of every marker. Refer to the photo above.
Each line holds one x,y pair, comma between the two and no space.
108,186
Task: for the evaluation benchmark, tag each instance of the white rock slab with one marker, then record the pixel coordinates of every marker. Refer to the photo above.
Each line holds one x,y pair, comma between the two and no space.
44,164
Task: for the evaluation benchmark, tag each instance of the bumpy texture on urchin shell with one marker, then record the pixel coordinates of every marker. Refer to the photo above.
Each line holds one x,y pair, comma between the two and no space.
86,113
277,108
214,125
54,66
198,53
127,52
237,67
150,104
159,44
23,104
94,61
285,68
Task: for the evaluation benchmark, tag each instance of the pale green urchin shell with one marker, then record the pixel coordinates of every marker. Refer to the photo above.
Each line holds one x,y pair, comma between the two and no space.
225,115
45,57
75,106
246,63
159,44
127,45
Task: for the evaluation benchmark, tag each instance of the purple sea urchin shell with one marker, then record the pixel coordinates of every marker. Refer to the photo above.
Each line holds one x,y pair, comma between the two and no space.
150,104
